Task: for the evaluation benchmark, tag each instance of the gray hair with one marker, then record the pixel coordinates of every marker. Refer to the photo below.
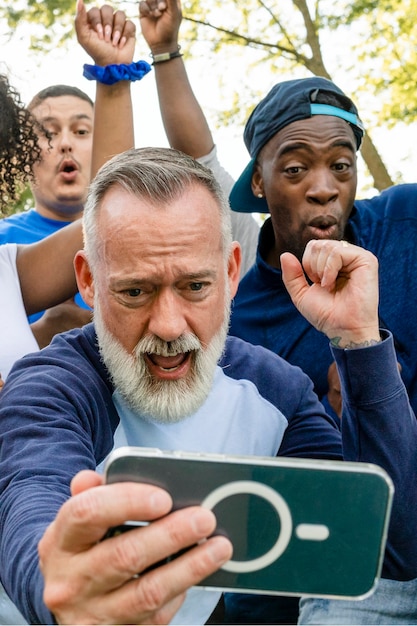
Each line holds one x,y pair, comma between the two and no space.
158,174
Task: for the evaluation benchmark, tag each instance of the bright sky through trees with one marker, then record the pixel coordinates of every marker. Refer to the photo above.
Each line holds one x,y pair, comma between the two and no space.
214,84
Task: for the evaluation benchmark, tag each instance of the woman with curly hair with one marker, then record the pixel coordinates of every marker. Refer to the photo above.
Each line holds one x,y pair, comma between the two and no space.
30,275
37,276
19,147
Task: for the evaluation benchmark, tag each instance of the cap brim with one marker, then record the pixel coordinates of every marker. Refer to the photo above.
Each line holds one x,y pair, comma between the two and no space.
241,197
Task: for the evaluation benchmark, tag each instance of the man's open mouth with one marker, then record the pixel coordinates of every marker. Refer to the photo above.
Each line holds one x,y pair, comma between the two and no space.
169,363
68,169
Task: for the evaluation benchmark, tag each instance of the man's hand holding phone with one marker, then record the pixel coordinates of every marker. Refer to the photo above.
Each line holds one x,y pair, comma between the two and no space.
93,581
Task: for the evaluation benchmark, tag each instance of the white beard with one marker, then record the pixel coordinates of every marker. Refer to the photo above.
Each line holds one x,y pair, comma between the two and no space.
164,401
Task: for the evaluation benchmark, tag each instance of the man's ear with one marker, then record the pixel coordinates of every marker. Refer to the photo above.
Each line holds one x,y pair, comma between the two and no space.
233,268
257,182
84,278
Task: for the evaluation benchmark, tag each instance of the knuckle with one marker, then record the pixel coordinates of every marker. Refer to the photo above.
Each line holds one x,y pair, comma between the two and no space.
125,556
152,595
180,532
58,595
201,565
130,29
93,15
166,613
83,507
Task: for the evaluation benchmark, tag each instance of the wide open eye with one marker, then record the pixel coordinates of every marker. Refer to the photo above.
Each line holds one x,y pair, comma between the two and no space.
196,286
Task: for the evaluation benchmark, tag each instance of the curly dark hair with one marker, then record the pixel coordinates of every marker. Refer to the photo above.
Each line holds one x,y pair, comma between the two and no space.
19,147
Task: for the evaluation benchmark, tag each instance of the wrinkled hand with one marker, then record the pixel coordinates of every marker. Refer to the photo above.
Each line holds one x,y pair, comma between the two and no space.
106,35
59,319
88,581
342,299
160,23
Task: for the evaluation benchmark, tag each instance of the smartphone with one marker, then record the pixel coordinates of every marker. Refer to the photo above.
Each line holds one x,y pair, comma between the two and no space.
298,526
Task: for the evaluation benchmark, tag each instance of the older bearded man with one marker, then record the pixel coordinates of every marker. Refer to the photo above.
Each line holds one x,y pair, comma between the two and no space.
155,369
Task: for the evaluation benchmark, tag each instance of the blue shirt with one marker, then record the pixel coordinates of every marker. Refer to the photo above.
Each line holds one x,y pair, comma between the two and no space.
264,314
28,227
58,416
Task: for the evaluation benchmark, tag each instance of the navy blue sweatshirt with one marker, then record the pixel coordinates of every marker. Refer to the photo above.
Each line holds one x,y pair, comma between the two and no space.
57,417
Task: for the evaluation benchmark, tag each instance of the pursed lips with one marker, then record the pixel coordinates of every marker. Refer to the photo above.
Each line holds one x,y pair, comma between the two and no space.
323,227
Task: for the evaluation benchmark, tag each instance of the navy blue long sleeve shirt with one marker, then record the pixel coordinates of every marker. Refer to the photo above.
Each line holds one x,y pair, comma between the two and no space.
57,417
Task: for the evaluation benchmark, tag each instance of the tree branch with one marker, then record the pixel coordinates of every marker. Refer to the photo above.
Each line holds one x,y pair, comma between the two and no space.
273,48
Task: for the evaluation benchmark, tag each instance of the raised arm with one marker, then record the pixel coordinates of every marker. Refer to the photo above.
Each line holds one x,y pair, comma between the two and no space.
109,38
378,424
46,268
184,121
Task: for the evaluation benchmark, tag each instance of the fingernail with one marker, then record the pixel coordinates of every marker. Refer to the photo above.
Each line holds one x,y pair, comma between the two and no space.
160,501
202,523
220,549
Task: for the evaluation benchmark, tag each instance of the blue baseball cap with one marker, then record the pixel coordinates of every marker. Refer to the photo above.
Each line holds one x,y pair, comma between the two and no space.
288,102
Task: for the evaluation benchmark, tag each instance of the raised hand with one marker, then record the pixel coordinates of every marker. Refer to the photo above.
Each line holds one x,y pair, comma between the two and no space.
160,22
341,297
106,35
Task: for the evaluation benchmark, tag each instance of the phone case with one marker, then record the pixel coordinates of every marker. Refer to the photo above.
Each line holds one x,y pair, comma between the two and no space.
298,526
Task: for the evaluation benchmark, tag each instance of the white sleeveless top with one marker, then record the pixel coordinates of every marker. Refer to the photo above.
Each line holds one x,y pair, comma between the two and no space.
16,336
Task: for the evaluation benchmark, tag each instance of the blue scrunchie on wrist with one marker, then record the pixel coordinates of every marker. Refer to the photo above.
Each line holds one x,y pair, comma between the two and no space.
111,74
